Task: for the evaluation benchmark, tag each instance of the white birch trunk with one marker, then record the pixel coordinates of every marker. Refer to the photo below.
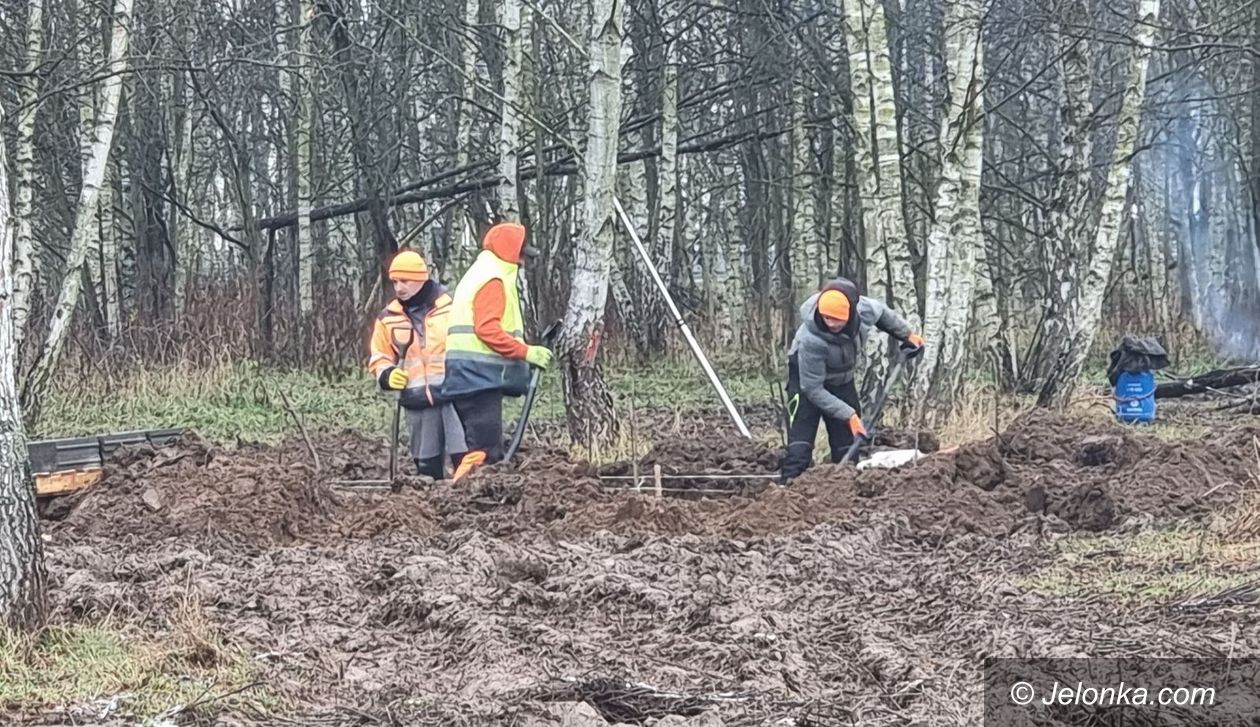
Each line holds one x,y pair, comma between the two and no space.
510,127
23,578
888,156
637,294
1217,245
590,409
24,169
1071,202
183,234
839,168
804,248
463,252
667,172
1086,303
621,294
888,274
955,234
305,89
93,173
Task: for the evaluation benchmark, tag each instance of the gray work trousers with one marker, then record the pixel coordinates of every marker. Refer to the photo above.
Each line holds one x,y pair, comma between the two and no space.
434,432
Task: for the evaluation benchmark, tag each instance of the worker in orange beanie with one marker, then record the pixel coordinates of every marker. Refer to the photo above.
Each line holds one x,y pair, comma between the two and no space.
824,354
408,356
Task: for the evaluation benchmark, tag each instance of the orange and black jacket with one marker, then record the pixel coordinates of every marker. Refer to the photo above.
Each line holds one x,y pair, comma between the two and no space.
411,335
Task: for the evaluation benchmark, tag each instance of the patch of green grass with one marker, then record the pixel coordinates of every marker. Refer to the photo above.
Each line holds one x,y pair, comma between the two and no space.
1156,565
226,403
247,402
78,665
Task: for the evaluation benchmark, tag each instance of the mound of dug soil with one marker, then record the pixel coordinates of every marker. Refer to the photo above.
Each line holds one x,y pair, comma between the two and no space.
256,494
1046,470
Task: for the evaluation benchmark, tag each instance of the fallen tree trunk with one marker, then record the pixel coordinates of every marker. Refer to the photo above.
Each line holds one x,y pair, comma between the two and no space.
1218,379
554,169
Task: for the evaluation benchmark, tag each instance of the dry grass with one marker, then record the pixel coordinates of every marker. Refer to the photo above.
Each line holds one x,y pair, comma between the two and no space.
102,670
1154,565
1242,523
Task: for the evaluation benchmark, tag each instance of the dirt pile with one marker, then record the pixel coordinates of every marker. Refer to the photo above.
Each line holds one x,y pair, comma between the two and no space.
255,494
1044,471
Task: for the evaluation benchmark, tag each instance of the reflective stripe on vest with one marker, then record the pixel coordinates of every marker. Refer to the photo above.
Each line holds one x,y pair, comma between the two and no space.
424,361
472,365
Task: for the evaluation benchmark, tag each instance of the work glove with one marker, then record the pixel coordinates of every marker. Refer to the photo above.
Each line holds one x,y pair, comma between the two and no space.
855,426
539,356
394,378
913,345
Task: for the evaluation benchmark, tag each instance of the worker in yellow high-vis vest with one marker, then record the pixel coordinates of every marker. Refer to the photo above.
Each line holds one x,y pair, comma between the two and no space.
486,354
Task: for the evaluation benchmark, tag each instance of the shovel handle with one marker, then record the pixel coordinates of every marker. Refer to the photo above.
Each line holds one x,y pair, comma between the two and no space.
548,335
877,410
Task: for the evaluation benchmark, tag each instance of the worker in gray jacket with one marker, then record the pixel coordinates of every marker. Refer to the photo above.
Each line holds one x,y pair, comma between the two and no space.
821,362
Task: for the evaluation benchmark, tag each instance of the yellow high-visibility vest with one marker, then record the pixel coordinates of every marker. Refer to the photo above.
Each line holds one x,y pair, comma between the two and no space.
471,365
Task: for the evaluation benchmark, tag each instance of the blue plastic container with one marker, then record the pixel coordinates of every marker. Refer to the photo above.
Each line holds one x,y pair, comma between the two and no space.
1135,397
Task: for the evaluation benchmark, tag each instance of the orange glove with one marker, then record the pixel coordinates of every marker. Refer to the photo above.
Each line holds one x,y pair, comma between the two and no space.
913,345
855,426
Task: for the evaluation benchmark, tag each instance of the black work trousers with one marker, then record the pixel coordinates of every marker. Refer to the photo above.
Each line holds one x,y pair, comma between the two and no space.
803,418
482,415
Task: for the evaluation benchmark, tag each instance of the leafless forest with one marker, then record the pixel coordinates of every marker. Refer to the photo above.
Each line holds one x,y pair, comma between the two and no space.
1024,180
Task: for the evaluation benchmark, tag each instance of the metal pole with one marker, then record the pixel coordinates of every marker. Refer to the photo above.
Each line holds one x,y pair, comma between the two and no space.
682,325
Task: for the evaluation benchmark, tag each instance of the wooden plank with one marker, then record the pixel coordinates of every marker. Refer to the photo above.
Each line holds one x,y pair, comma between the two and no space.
61,483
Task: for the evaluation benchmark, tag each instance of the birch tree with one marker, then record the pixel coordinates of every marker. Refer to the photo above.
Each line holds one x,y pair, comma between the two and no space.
305,89
889,277
181,233
465,246
589,404
804,248
23,579
668,196
94,165
955,234
1070,200
1086,297
667,171
514,20
24,169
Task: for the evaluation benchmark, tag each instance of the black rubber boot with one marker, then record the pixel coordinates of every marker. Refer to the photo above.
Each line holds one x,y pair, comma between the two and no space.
431,467
799,457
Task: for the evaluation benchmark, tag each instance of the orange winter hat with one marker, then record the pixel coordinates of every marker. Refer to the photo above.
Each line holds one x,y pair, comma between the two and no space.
408,265
506,240
834,304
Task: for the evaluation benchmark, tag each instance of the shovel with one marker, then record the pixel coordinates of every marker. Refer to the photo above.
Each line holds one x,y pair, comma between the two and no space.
877,410
548,335
393,442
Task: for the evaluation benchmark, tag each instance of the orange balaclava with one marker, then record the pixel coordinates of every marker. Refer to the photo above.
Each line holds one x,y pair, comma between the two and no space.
506,240
834,304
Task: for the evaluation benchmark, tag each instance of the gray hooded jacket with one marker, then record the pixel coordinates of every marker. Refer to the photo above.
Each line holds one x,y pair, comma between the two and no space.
825,359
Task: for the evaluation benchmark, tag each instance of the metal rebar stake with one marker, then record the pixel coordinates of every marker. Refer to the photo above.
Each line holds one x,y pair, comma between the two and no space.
682,325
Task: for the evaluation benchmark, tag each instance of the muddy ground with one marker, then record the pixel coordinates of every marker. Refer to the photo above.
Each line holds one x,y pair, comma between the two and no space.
541,594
